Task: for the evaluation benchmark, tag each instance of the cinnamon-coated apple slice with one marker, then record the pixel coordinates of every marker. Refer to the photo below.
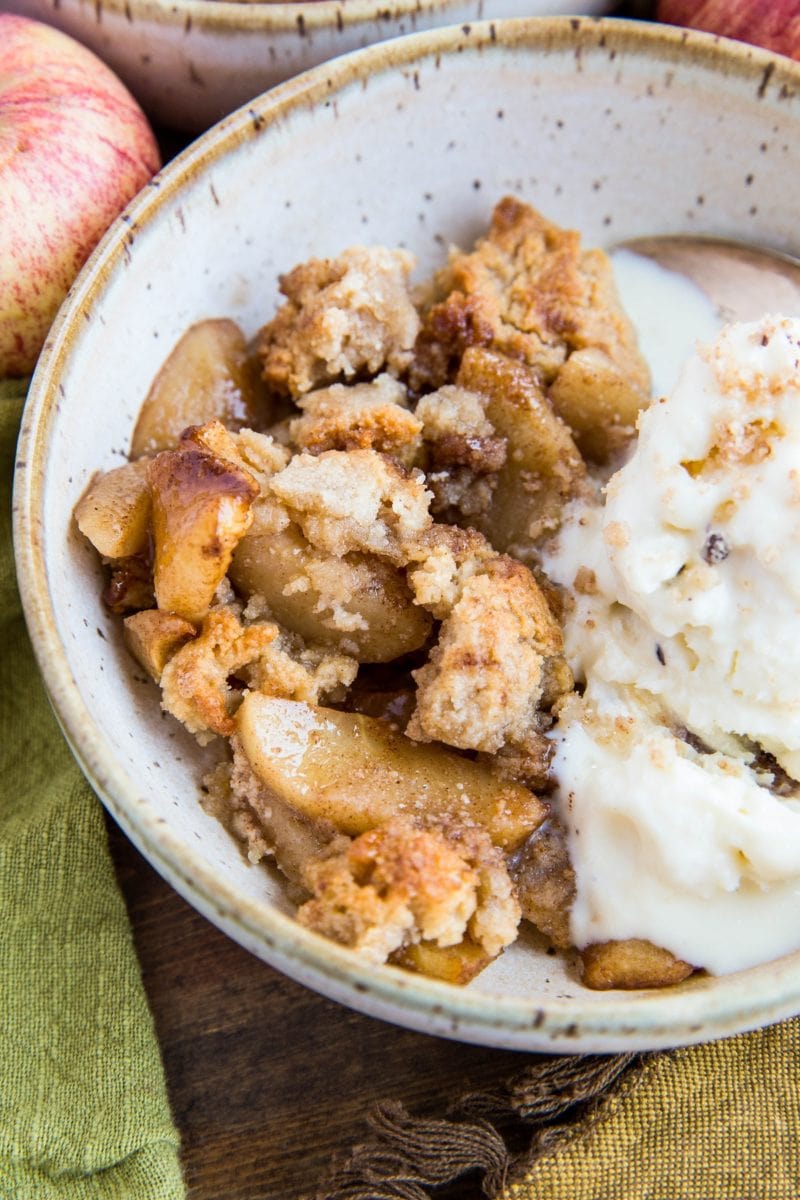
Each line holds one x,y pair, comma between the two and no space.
454,964
208,376
153,637
543,470
201,509
114,511
357,772
632,963
357,603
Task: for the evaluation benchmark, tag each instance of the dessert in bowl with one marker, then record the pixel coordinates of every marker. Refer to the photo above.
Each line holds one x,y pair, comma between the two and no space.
570,145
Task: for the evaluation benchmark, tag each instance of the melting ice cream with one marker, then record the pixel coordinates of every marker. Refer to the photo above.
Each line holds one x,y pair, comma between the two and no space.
677,769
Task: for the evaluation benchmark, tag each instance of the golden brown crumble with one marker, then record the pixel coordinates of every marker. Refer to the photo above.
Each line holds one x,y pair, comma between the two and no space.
401,884
356,500
366,416
343,317
531,292
483,685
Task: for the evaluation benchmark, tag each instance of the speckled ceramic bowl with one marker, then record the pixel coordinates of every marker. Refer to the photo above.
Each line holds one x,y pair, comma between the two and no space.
615,128
190,62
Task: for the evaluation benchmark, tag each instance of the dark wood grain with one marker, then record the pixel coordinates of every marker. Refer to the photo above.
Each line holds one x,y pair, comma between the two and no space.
268,1080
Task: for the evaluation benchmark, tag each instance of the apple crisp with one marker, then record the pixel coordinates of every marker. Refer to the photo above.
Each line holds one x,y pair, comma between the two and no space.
325,551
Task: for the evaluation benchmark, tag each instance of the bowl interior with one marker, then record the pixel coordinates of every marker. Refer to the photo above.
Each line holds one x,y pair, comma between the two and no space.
614,128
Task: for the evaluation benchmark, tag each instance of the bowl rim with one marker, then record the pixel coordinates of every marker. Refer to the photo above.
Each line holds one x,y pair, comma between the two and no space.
671,1017
270,16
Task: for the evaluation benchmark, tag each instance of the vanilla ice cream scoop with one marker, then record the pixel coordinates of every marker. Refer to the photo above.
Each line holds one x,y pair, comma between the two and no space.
699,542
689,850
685,631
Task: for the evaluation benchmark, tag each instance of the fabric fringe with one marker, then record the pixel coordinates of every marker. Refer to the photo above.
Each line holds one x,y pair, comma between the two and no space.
411,1158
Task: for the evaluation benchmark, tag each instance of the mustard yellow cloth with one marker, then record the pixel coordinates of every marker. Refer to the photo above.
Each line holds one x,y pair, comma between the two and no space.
83,1104
714,1122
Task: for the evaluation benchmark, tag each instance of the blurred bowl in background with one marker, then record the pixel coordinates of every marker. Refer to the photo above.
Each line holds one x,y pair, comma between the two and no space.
190,62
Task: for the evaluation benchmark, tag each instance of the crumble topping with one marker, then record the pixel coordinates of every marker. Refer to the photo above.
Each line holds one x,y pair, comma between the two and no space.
342,317
401,884
483,684
531,292
363,416
354,500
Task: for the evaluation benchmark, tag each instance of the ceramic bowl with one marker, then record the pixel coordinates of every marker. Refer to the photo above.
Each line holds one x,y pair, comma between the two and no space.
190,62
619,129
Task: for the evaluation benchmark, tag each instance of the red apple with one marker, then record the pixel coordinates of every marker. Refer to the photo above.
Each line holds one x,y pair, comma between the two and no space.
773,24
74,148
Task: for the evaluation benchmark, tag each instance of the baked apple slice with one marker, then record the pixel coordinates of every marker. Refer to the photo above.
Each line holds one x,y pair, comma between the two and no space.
208,376
357,772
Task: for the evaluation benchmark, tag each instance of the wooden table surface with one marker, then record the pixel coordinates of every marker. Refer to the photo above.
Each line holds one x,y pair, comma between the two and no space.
268,1080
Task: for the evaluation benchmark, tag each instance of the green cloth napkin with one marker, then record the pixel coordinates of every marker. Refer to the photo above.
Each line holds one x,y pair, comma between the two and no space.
83,1104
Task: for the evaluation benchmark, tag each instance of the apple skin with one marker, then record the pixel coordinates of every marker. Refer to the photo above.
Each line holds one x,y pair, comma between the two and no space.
74,148
771,24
